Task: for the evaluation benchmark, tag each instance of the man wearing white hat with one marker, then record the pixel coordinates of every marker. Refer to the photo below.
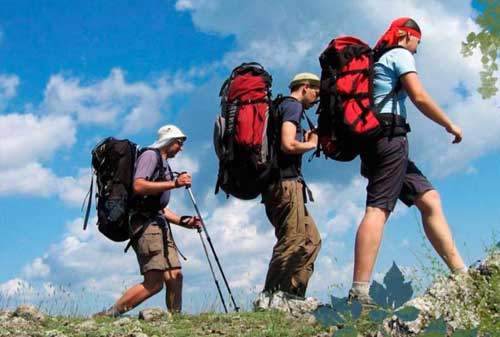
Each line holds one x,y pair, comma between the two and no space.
155,248
298,240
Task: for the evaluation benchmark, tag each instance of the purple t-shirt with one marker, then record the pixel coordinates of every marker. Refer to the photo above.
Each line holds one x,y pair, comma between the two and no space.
145,168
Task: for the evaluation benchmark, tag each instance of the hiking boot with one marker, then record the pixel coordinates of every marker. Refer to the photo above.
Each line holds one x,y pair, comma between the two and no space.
364,299
262,301
109,312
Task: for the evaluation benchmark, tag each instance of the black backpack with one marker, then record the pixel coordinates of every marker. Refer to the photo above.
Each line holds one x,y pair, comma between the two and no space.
113,163
245,133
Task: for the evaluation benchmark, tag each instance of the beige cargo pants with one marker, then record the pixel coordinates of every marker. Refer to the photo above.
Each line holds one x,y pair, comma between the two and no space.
299,242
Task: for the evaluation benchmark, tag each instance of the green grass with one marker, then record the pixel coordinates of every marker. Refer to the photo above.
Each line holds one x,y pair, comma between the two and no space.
248,324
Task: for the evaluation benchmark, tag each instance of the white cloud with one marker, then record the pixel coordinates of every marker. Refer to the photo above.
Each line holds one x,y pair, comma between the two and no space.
14,287
184,163
182,5
36,269
72,190
43,182
8,86
339,207
330,277
140,104
27,137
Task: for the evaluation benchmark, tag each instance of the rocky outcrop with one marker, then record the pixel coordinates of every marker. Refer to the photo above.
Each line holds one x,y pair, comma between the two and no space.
294,306
453,299
154,314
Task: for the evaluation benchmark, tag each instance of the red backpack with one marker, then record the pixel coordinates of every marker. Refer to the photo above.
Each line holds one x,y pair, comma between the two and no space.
347,114
244,133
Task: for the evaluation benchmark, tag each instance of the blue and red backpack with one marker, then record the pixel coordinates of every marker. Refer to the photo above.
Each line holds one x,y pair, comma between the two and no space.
347,114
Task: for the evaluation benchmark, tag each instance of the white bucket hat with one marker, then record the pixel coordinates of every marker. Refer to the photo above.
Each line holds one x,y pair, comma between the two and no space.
166,134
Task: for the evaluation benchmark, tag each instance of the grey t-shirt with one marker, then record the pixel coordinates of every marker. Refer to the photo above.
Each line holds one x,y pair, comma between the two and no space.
145,168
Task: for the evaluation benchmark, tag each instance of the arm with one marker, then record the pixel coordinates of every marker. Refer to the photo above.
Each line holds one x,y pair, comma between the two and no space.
144,187
171,216
290,145
192,223
419,96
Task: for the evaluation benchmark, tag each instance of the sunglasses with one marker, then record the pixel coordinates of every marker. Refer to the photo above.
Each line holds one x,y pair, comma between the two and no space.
180,141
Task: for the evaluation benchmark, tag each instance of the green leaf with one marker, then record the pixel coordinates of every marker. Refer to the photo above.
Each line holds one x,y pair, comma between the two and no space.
436,328
328,316
377,315
471,37
465,333
396,291
348,331
408,313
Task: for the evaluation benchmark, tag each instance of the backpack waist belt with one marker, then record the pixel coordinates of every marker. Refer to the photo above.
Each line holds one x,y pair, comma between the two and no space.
393,125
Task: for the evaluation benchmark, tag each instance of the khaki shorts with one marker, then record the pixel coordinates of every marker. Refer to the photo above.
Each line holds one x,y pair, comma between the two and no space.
156,250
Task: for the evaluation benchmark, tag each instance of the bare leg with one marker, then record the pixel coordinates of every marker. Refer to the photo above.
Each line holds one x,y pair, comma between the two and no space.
134,296
368,239
173,282
437,230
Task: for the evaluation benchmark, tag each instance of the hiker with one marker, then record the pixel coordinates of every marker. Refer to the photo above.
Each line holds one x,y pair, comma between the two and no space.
298,240
156,250
386,165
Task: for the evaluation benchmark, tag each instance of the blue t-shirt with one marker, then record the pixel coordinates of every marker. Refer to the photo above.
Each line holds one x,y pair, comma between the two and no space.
387,70
291,110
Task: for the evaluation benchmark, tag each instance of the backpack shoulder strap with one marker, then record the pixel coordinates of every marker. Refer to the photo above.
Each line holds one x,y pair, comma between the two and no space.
392,94
378,53
397,88
160,169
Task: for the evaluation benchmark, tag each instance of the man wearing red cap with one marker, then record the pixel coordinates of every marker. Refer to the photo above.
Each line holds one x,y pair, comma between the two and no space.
385,163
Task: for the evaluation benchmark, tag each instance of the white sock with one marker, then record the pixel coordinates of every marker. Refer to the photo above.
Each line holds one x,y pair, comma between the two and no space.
113,311
361,287
460,270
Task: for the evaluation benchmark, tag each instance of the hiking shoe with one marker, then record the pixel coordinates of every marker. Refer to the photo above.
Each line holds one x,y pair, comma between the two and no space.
364,299
109,312
262,301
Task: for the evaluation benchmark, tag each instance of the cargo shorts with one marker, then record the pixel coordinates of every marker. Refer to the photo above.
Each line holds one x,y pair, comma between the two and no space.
391,174
155,248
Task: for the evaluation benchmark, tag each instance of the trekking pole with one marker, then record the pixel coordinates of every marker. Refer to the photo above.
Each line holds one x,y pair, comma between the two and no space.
236,308
212,270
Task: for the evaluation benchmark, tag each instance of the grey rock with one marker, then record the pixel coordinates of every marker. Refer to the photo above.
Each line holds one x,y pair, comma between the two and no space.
153,314
138,334
122,321
295,307
29,312
5,314
54,333
87,325
450,298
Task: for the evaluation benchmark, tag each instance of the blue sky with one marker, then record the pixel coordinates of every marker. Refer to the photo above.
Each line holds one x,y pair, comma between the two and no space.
71,75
